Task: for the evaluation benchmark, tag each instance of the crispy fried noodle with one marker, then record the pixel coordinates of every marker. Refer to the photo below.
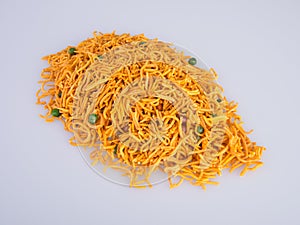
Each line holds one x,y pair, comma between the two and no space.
140,106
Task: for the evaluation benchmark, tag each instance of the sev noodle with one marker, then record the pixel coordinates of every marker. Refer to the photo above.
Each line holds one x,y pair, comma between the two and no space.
222,144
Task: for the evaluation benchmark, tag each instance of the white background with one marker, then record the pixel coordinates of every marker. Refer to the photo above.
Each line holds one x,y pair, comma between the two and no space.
253,45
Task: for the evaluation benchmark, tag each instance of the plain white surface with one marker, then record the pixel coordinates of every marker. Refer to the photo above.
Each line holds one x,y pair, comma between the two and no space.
253,45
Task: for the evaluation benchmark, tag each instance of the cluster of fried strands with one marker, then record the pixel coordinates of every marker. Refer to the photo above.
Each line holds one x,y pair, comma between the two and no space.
179,124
